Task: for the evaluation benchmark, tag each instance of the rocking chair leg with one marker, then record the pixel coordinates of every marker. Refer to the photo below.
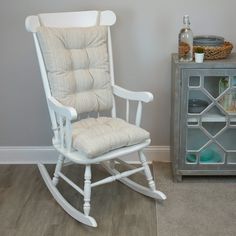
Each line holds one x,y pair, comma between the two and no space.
147,171
60,161
77,215
87,189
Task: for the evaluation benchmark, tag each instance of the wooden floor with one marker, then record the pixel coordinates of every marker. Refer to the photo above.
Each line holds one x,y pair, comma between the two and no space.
28,209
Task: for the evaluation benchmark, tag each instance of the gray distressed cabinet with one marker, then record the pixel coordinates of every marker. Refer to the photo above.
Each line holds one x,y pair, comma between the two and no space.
203,117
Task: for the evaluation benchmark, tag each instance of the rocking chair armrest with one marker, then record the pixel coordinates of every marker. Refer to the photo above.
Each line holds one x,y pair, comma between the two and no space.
68,112
132,95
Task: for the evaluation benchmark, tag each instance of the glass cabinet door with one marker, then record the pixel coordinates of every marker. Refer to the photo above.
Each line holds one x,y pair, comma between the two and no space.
208,119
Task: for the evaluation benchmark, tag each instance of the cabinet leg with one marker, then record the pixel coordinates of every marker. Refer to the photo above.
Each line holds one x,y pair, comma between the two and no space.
177,178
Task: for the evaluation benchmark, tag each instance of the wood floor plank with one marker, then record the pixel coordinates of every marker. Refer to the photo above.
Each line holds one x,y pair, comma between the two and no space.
28,209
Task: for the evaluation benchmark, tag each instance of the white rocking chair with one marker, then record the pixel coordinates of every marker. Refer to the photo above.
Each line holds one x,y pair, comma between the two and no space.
75,56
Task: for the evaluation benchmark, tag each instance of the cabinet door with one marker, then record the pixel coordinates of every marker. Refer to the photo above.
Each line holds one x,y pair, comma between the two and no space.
208,119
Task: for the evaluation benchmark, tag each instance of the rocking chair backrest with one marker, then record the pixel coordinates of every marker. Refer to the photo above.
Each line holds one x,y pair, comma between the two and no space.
70,20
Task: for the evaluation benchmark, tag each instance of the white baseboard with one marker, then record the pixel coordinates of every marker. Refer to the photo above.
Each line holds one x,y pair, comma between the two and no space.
27,155
48,155
152,153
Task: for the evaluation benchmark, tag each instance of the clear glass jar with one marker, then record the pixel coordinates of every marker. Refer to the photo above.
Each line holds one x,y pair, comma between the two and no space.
185,44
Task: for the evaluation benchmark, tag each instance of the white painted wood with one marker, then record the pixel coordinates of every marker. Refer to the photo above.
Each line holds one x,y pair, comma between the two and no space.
32,23
63,112
61,131
68,163
68,135
138,114
77,19
131,167
127,110
87,189
147,171
111,67
117,176
60,161
48,155
77,215
113,111
69,19
45,85
132,95
80,158
71,183
110,54
107,18
136,187
62,139
68,112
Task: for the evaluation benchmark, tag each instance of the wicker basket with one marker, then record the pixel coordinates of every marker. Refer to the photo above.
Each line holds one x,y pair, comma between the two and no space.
215,53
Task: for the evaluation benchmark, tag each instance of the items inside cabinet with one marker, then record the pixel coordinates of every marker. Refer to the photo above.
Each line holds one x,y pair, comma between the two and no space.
210,136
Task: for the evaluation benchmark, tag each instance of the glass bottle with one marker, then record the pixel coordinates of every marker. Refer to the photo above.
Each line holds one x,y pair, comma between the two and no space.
186,41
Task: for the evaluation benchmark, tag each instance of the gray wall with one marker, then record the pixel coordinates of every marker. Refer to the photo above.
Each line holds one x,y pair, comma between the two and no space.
143,39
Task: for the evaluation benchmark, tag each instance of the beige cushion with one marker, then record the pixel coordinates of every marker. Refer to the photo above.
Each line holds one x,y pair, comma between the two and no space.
78,67
97,136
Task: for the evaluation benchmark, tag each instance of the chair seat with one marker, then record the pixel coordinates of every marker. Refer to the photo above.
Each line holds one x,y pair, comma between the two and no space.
97,136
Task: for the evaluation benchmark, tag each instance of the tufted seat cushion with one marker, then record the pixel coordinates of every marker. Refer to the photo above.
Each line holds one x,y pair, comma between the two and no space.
96,136
77,64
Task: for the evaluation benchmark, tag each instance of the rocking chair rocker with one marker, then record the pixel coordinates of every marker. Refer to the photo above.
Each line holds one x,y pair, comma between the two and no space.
74,51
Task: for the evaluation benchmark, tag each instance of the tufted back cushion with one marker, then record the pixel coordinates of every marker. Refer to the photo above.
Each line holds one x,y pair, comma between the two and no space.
77,64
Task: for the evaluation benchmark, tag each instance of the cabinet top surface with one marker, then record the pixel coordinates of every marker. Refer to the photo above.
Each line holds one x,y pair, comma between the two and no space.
229,62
